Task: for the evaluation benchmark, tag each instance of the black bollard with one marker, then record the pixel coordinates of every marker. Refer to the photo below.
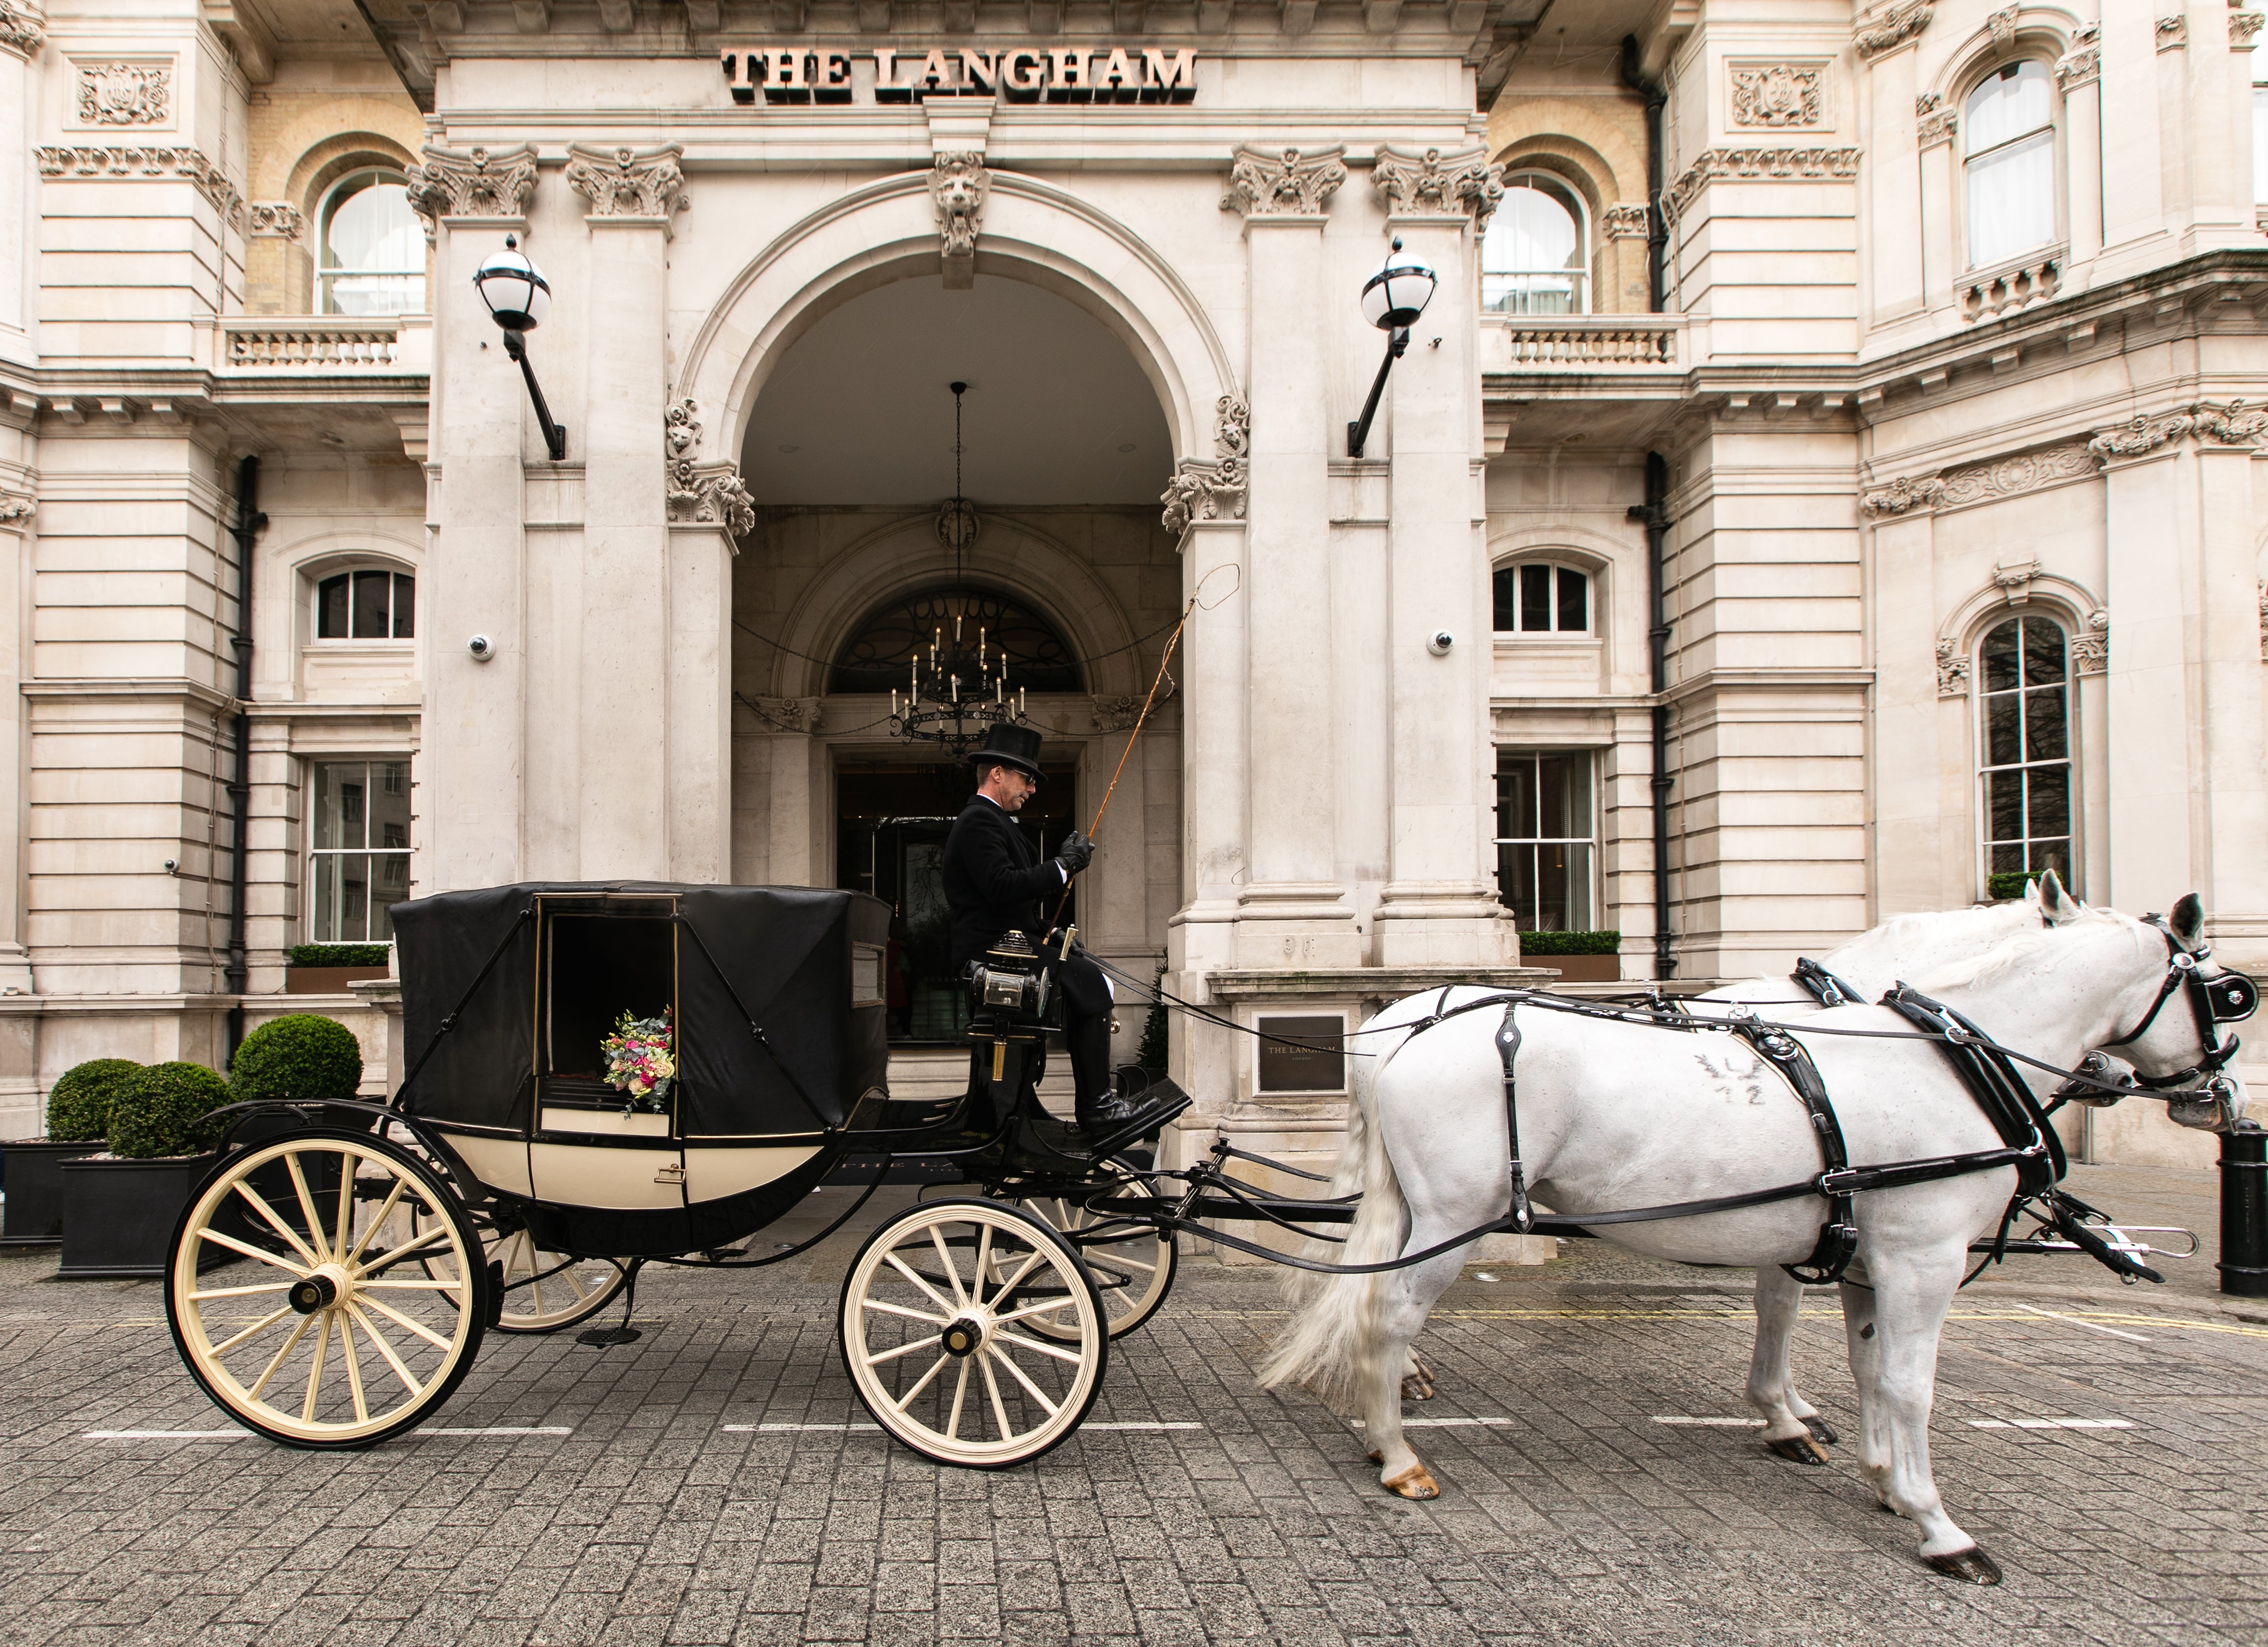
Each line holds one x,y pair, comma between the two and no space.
2244,1211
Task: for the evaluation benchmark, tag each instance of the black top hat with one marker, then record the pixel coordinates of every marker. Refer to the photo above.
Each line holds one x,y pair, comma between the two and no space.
1009,745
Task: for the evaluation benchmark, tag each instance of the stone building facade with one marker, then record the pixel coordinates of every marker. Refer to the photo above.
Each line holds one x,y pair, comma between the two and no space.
1828,454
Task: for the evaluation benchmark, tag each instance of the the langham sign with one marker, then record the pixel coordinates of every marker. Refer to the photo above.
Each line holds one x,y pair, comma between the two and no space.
1068,74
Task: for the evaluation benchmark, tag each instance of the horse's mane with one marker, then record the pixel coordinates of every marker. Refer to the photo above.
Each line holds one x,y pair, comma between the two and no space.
1900,928
2006,957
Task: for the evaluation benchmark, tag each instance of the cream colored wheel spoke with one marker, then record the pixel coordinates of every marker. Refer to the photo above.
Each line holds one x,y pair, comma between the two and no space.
241,1292
322,1320
250,1251
378,1338
900,1309
1036,1393
1036,1347
377,1221
276,1365
260,1325
1133,1264
951,1270
307,1210
940,1366
394,1256
403,1322
354,1366
960,1393
935,1296
903,1349
259,1205
1052,1306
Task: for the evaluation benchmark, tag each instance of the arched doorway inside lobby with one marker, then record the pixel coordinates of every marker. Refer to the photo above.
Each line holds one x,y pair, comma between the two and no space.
850,455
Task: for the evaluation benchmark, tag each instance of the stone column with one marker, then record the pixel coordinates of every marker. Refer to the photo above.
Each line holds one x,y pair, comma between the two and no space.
1438,906
1292,910
471,818
628,801
2079,73
1893,188
1940,176
2232,808
2133,188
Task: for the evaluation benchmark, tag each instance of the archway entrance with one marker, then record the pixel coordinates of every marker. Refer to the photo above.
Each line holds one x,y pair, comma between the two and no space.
851,573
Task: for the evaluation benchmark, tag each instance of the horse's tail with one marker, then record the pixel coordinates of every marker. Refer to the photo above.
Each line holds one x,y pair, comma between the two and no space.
1334,1316
1349,1173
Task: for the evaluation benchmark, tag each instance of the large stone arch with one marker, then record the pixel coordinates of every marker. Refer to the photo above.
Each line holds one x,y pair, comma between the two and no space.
1032,231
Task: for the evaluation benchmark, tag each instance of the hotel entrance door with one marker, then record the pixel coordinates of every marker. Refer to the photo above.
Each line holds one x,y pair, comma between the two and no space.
891,823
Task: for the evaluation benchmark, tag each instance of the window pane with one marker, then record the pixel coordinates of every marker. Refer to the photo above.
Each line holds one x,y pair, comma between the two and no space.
2055,855
2012,201
331,608
1515,790
370,589
1532,231
2009,103
1574,600
1564,783
405,603
354,896
2005,807
2049,788
2003,744
373,294
325,873
389,804
1515,879
2042,652
1535,597
1501,586
2001,660
390,885
1551,873
2043,727
339,803
1576,914
373,229
2005,858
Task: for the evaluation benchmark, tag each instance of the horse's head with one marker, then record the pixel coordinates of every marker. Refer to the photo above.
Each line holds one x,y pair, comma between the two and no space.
2175,1042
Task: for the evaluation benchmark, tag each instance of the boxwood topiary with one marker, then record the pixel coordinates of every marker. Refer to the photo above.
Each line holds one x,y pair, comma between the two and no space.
338,954
163,1110
301,1055
78,1105
1602,942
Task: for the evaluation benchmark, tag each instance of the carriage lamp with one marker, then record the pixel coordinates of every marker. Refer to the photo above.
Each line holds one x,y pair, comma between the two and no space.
519,298
1392,300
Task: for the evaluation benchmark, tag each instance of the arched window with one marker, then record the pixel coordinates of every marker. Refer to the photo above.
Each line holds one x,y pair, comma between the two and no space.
1536,256
876,655
2025,745
374,252
2007,130
2260,128
369,605
1537,597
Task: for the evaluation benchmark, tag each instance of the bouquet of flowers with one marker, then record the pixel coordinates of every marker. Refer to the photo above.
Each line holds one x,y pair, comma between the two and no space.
642,1062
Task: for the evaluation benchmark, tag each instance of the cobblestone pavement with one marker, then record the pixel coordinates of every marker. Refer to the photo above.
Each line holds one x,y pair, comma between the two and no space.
1573,1515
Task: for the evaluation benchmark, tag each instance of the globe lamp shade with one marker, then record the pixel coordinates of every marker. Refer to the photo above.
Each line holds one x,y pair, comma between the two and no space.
1397,294
514,289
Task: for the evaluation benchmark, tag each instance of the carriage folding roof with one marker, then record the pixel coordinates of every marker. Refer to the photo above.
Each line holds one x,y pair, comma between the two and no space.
801,964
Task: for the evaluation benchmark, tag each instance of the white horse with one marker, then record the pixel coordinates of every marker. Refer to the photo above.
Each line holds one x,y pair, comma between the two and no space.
1617,1116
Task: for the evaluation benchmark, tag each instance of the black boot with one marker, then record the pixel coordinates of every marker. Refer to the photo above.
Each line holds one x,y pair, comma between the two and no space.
1099,1108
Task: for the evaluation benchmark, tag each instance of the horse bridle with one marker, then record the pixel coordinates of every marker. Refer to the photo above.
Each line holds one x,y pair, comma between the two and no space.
2227,997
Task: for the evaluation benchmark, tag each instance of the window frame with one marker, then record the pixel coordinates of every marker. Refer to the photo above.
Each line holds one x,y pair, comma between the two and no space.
1591,581
1983,766
337,195
317,579
1587,757
2057,234
2260,127
1563,192
309,924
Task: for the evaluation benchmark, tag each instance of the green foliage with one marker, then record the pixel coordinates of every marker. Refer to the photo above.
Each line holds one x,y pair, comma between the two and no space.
338,954
1151,1053
1569,943
300,1055
163,1110
2011,883
78,1105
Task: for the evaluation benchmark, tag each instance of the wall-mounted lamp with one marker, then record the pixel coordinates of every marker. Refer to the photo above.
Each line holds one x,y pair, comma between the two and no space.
519,298
1392,300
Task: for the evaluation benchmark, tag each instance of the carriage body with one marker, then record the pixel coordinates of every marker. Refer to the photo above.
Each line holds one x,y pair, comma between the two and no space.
776,998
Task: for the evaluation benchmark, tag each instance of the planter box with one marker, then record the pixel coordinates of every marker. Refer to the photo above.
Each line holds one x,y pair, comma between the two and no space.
119,1215
34,1183
1581,968
327,980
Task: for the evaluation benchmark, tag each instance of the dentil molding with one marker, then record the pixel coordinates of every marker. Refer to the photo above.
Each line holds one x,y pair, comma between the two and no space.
959,186
1282,183
1779,164
1433,184
628,182
474,183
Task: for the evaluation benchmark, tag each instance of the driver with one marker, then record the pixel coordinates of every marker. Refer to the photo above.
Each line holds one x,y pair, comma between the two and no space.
994,880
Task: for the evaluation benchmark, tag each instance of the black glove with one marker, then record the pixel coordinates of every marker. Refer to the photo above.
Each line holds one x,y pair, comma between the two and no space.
1075,853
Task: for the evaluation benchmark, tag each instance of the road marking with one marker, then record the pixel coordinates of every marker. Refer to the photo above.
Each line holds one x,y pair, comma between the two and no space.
499,1429
1141,1423
2050,1423
777,1428
167,1435
1437,1423
1131,1424
1729,1424
2092,1327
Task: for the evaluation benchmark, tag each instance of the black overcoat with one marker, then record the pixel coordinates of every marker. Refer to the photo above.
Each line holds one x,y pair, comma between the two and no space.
995,880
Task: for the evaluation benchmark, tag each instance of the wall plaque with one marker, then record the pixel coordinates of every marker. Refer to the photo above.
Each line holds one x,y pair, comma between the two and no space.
1052,74
1304,1056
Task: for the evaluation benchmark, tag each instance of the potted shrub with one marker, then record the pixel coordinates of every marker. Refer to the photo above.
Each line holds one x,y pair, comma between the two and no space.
79,1116
300,1055
120,1208
329,968
1580,957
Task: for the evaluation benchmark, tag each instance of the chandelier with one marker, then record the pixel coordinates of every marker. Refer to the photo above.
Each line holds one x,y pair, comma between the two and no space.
956,689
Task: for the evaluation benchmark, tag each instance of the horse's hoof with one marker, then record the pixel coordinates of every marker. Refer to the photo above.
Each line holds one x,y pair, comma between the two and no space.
1375,1458
1416,1387
1821,1431
1799,1450
1417,1481
1971,1564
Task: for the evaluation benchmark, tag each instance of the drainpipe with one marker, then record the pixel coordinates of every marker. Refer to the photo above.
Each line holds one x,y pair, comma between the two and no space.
249,522
1657,229
1654,516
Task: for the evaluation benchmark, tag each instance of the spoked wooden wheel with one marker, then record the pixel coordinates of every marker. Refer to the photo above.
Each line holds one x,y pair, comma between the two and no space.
545,1291
934,1322
1133,1275
353,1302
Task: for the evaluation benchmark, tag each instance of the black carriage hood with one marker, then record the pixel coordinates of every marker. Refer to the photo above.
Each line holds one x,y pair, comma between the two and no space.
783,954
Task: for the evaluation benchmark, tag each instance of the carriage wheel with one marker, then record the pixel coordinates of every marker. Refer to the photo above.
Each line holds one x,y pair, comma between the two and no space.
544,1290
351,1300
1132,1275
933,1323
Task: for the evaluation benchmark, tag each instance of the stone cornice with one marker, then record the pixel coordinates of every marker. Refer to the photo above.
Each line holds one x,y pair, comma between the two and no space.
2234,427
105,160
1775,165
1271,182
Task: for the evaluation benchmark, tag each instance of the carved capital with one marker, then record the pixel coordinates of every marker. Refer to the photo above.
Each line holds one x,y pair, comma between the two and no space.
19,30
2173,32
1902,24
1952,669
1282,183
16,508
2242,25
789,715
2140,434
628,182
2081,66
1780,96
1935,125
2231,425
1204,491
1625,222
1903,494
471,183
711,495
1431,183
275,220
125,93
959,186
2090,647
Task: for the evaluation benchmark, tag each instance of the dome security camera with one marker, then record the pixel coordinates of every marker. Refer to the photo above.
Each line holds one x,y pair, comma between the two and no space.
482,648
1440,642
171,865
